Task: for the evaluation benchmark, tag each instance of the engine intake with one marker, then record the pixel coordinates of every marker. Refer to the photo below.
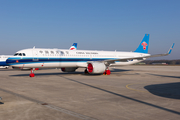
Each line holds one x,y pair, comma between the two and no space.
96,67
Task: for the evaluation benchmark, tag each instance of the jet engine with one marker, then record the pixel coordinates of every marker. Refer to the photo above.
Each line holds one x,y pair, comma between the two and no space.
69,69
96,67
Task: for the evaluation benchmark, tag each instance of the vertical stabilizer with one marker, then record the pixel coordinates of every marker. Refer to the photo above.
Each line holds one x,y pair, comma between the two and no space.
143,46
73,47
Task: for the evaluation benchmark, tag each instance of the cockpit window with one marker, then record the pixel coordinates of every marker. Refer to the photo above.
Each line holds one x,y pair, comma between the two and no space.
46,52
20,54
62,53
41,51
57,52
16,54
52,52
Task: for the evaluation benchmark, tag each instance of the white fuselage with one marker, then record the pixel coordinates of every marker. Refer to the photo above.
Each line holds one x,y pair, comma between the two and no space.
46,58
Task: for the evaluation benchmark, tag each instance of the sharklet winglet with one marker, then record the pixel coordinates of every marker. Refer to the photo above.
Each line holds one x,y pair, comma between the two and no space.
169,52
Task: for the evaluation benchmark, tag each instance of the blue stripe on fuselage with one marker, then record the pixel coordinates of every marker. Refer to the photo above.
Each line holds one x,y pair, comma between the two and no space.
19,60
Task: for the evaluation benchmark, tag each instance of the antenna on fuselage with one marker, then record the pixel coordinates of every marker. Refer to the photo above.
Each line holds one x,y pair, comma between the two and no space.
34,47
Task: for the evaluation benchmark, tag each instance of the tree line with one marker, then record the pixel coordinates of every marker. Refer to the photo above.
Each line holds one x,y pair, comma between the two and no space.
169,62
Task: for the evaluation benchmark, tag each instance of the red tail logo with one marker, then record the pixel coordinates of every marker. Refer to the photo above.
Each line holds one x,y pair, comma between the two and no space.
144,44
72,48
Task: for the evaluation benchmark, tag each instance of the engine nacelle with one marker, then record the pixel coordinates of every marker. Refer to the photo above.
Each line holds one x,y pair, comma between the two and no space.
96,67
69,69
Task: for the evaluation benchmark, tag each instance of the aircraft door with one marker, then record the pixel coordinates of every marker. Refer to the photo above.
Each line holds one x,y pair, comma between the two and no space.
62,58
35,55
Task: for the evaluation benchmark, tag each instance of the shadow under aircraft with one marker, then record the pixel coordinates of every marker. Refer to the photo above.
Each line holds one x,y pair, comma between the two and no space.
168,90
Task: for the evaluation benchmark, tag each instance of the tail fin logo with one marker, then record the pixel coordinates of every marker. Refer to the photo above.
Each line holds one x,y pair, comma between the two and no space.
72,48
144,44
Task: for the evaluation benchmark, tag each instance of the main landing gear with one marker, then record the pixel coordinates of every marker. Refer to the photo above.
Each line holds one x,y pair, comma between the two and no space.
86,71
107,72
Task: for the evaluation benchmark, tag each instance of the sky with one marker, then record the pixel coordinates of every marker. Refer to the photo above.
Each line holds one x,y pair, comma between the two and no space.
93,24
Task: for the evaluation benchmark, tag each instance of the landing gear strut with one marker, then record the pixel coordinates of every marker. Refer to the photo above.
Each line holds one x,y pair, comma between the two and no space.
32,73
86,71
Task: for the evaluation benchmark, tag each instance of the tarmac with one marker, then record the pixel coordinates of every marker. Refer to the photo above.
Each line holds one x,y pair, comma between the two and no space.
129,93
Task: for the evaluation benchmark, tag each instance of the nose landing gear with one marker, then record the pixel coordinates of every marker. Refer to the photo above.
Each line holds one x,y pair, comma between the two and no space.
32,73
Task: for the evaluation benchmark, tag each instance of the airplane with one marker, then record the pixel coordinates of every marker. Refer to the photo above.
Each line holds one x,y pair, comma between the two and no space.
94,62
3,58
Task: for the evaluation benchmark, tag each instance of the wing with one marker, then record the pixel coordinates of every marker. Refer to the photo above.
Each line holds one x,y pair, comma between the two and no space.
138,58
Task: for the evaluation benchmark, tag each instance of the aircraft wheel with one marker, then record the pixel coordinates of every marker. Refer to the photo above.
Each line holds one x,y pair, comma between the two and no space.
108,72
31,75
